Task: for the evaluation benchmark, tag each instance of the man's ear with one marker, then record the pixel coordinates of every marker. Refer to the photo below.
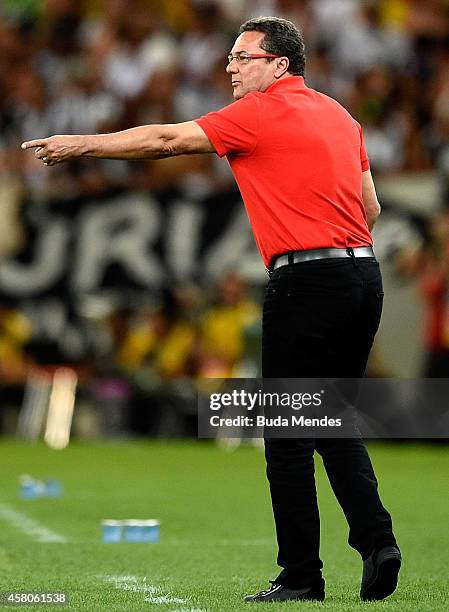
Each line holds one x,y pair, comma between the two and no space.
282,66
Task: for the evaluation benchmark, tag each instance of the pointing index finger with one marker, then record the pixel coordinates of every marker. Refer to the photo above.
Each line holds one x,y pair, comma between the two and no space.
31,144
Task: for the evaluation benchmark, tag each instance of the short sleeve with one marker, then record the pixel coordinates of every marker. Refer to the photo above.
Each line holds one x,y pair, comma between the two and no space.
235,128
364,161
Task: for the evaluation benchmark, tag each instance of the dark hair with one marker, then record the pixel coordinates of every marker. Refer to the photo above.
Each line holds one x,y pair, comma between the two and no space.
282,37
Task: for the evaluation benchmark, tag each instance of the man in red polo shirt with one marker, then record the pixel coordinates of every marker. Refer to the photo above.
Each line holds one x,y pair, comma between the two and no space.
302,169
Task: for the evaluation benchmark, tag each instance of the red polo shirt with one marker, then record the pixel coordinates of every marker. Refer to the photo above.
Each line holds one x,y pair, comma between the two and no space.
298,157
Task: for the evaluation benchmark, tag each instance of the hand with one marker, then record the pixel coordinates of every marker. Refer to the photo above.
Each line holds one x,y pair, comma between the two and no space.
55,149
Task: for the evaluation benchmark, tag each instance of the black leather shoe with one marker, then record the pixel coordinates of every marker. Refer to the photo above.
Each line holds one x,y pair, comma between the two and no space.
380,573
279,592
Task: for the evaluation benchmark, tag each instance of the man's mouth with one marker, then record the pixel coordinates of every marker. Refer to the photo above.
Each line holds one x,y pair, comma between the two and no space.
234,83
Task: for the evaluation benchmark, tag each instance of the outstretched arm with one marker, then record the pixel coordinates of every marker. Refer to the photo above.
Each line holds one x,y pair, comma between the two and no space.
143,142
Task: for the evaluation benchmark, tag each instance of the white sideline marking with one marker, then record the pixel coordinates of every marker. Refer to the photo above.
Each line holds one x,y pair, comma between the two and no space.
30,526
132,583
165,599
140,585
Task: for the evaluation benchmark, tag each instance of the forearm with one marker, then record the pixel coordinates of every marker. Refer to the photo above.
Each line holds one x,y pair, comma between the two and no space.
372,215
370,201
143,142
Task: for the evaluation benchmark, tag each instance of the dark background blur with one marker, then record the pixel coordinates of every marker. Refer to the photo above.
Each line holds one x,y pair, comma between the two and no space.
143,277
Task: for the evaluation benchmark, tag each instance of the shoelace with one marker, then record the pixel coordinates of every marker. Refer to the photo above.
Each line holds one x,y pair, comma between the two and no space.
273,586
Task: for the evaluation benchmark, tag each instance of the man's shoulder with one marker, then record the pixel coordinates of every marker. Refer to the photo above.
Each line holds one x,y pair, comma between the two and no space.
332,102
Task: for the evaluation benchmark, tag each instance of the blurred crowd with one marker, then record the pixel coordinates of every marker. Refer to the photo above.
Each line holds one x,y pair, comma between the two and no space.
74,66
138,360
86,66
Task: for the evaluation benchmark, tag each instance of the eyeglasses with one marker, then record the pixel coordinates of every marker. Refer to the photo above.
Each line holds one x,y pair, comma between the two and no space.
244,58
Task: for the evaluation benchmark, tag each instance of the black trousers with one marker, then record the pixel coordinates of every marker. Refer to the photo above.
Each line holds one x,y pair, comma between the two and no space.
319,320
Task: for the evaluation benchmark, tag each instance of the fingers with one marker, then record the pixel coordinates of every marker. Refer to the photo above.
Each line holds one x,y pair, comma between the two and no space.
41,151
31,144
44,150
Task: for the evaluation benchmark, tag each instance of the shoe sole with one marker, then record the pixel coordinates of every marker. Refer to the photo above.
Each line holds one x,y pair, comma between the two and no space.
385,581
318,598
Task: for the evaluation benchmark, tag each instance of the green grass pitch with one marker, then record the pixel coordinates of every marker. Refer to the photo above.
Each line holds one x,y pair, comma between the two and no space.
217,538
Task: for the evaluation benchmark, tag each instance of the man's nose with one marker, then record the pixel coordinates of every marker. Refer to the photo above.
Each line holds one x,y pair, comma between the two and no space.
232,67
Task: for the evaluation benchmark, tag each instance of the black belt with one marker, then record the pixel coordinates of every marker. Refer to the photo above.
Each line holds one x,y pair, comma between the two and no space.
295,257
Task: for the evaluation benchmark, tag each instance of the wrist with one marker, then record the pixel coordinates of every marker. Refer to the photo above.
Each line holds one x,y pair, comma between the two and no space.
86,145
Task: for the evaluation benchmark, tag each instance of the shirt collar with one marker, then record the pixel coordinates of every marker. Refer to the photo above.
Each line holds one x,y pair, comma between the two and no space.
291,82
